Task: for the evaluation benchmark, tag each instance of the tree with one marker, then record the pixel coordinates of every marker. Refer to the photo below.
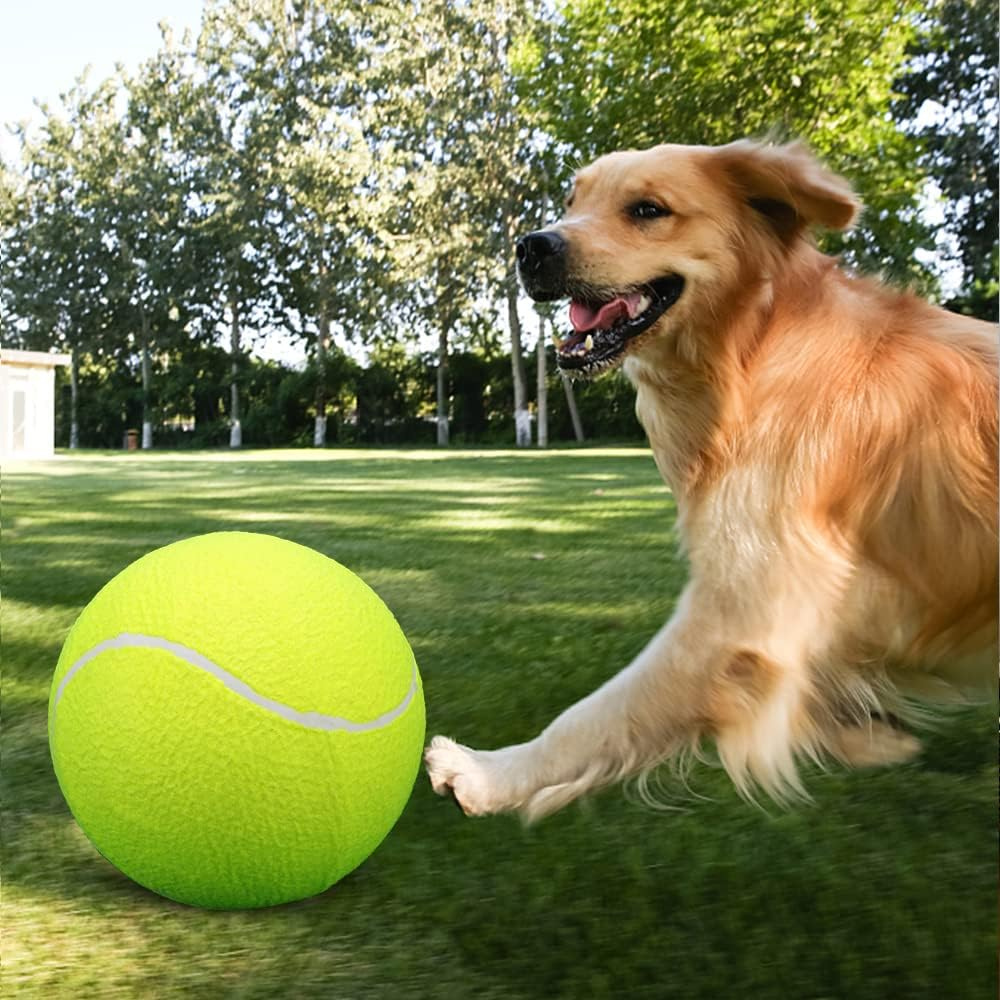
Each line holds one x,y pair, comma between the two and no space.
60,277
231,128
142,189
12,214
325,169
464,155
424,102
950,99
510,157
626,73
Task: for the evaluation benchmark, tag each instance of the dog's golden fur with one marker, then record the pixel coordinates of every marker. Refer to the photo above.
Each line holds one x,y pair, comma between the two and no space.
832,446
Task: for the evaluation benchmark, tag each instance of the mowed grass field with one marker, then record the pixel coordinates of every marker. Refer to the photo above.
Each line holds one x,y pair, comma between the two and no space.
522,582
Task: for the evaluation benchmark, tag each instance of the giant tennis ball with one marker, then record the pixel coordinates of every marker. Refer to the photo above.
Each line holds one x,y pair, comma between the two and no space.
236,721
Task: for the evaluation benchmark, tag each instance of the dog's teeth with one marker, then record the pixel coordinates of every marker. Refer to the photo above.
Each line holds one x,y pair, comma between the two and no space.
589,343
644,303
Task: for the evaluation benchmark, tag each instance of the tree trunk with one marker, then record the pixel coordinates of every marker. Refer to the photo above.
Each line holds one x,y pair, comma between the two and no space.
542,403
235,427
522,418
147,383
74,390
574,413
322,343
442,385
542,387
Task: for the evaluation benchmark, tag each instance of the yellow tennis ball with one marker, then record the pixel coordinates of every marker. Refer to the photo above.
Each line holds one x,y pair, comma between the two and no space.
236,721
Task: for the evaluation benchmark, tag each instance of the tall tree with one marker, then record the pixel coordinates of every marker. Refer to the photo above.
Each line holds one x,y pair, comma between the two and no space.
624,73
510,156
950,98
58,272
453,119
423,100
324,168
231,132
142,190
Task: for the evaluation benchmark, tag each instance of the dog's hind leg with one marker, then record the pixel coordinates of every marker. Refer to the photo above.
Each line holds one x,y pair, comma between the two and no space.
877,744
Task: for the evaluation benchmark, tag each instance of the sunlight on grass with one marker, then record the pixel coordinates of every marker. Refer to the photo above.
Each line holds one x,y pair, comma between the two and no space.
481,520
523,581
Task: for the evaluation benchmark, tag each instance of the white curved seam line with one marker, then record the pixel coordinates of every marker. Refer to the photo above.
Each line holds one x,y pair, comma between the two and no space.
311,720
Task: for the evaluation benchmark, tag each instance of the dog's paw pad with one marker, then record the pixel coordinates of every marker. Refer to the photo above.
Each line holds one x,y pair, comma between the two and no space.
457,771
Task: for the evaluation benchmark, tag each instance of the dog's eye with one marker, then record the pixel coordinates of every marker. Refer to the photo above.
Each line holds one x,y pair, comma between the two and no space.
648,210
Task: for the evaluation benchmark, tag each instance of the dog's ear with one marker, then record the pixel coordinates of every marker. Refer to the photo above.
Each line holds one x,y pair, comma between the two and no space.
788,186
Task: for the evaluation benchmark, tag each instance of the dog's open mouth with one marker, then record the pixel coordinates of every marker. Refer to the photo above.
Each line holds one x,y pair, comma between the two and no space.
603,328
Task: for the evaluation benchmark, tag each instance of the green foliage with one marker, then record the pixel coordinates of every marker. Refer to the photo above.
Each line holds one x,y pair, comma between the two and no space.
57,271
360,173
475,381
280,402
606,407
633,73
109,403
144,181
394,393
231,126
189,403
458,167
952,80
190,386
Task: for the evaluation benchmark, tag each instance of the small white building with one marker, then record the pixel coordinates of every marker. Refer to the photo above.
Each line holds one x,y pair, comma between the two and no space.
27,403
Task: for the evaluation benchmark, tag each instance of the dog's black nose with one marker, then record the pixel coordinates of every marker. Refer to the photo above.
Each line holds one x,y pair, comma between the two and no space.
541,263
534,249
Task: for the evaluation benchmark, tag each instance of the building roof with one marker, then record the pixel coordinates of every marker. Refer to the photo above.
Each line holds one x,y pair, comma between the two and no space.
32,359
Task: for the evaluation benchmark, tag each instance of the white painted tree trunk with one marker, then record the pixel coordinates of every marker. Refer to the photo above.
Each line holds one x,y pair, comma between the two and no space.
522,418
74,388
542,389
319,432
443,433
235,427
322,342
147,385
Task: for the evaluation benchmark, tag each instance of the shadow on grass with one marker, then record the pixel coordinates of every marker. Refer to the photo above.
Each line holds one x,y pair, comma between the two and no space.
522,582
873,891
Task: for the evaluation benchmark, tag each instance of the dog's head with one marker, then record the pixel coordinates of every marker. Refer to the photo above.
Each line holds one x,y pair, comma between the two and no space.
671,237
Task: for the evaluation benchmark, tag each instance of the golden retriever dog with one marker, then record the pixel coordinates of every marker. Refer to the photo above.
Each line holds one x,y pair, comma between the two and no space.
832,447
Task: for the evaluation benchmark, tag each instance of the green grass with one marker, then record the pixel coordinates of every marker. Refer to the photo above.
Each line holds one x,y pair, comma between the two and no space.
522,581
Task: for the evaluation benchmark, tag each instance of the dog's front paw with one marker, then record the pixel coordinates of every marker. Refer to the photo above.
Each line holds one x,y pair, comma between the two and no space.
462,773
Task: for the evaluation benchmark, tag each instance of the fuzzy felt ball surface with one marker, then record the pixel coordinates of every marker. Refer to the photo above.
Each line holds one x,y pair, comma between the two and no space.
236,721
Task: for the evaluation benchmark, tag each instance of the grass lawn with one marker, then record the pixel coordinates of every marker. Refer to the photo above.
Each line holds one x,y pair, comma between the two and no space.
522,581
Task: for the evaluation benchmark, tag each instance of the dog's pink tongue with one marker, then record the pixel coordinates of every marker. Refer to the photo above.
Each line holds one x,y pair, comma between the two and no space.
585,318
